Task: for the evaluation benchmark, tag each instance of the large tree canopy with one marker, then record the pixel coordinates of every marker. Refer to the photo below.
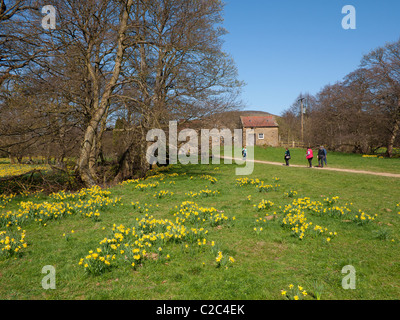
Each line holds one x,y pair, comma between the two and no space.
145,61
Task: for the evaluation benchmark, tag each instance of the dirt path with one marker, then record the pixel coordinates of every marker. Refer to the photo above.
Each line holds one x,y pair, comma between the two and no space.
382,174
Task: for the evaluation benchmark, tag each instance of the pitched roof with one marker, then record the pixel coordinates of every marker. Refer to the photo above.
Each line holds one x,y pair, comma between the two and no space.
259,121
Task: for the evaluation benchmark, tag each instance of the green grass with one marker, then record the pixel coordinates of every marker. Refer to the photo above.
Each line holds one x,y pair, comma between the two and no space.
264,263
335,159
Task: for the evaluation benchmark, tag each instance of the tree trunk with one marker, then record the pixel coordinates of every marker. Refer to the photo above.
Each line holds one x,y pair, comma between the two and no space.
392,139
84,169
89,147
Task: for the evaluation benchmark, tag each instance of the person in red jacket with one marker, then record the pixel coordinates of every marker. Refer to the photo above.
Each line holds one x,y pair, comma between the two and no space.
309,156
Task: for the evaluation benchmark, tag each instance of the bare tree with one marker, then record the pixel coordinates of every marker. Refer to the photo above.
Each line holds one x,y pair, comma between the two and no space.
149,61
85,58
290,122
178,70
8,10
362,112
19,42
384,64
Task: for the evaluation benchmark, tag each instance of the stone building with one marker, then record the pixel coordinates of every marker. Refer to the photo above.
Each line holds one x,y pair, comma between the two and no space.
266,129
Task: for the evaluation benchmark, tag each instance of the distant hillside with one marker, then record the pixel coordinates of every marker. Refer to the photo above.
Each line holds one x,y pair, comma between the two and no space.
249,113
231,119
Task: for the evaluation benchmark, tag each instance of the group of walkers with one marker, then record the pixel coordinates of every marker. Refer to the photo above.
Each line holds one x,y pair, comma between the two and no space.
322,153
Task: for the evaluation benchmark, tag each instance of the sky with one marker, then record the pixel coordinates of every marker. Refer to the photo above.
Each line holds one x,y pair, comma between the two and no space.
286,47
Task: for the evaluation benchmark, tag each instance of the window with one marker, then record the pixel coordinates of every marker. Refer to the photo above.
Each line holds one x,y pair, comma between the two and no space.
261,136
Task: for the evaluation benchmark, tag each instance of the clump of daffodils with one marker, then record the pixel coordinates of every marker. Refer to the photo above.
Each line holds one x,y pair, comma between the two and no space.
145,186
191,212
223,261
213,180
12,243
294,292
363,218
240,182
96,262
202,193
142,208
291,193
264,205
265,187
296,220
163,194
331,201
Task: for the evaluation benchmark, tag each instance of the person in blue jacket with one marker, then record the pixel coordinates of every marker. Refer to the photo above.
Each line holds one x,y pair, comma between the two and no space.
325,153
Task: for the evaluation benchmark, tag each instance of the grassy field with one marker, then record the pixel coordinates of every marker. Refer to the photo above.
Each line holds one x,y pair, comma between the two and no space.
247,253
334,159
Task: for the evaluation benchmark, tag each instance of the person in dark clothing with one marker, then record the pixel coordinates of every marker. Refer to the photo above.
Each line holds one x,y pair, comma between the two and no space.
321,156
244,153
325,153
287,156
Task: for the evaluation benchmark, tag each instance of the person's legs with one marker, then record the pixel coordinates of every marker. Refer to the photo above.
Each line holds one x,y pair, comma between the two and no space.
310,162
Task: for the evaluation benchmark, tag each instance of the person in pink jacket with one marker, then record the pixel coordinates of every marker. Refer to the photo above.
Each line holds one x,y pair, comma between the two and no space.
309,156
